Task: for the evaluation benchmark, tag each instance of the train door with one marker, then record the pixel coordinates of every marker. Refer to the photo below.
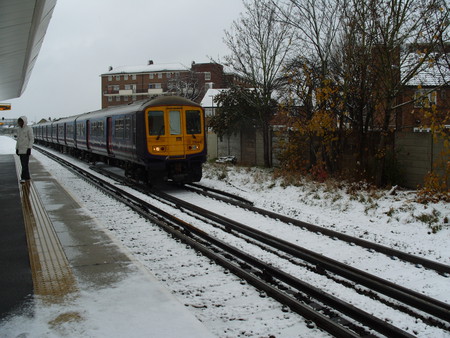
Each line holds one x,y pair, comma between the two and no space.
109,135
176,132
88,133
75,135
65,133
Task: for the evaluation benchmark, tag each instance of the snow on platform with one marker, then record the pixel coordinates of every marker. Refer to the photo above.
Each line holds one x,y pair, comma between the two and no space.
114,295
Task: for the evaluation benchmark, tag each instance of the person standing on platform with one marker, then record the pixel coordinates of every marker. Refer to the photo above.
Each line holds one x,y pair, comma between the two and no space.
25,140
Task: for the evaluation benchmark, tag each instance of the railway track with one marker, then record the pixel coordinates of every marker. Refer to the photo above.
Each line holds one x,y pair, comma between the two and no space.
392,253
326,311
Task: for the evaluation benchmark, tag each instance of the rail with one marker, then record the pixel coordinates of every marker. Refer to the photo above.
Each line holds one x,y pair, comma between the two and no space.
328,312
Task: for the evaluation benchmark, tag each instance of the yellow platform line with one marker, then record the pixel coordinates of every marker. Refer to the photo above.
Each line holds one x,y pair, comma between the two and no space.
53,278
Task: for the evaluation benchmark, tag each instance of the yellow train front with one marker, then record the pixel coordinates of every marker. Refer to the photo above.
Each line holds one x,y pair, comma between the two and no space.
175,139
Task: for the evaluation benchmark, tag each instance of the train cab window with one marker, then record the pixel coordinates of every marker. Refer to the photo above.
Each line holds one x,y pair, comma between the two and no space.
193,122
175,122
156,123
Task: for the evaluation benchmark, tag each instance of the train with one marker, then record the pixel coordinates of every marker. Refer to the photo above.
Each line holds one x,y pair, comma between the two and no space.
157,139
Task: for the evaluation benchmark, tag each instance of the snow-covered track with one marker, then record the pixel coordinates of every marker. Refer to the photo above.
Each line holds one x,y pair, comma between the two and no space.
218,194
326,311
278,284
405,295
440,268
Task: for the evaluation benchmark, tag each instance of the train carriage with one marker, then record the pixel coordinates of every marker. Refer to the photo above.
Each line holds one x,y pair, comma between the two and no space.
96,136
65,133
46,131
122,136
53,138
162,138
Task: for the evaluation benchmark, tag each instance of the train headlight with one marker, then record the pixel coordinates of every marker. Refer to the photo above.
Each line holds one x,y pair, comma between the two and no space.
158,148
193,147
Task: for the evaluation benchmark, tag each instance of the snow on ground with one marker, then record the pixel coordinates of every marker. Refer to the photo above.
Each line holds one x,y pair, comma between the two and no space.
227,306
393,220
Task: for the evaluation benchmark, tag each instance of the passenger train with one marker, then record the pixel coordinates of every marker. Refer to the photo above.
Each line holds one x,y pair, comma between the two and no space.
157,139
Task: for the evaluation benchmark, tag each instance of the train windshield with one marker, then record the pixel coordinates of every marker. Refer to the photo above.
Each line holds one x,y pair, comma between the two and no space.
156,122
175,122
193,124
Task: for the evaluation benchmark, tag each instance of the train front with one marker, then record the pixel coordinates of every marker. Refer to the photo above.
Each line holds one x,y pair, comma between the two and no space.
176,139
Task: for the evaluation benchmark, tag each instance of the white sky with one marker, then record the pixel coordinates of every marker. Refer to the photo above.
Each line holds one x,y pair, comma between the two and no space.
85,37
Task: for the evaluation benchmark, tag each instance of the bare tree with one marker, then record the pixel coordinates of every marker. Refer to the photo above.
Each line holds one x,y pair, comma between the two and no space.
259,45
406,34
317,25
185,85
370,50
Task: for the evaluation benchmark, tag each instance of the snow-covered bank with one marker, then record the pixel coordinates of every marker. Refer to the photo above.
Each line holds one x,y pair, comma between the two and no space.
397,221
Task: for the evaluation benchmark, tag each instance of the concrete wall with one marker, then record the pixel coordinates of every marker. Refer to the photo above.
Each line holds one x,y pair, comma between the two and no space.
246,146
230,146
211,142
417,155
259,148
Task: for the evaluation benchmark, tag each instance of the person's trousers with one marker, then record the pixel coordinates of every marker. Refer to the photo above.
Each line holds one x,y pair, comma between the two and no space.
24,159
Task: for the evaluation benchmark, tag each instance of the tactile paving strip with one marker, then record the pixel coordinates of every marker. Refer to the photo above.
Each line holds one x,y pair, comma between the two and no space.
52,276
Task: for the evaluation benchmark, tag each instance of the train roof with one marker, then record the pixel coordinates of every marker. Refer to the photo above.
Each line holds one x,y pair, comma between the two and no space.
128,108
140,106
171,101
115,110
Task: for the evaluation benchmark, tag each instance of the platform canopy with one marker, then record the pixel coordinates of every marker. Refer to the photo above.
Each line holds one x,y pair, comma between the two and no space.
23,24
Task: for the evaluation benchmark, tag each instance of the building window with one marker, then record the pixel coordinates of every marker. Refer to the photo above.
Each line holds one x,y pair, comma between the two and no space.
125,77
113,89
109,98
207,76
118,77
168,75
160,75
109,77
151,76
424,98
117,98
133,77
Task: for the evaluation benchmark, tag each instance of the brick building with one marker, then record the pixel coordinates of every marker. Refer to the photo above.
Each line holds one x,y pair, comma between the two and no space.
122,85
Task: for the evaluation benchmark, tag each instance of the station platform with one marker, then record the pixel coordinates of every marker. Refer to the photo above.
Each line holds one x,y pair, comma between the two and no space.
57,262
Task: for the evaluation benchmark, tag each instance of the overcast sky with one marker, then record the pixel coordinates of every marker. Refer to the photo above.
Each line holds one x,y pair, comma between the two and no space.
85,37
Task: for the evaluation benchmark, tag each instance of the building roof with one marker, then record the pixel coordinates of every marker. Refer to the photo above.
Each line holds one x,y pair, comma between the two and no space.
432,74
23,25
162,67
208,99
